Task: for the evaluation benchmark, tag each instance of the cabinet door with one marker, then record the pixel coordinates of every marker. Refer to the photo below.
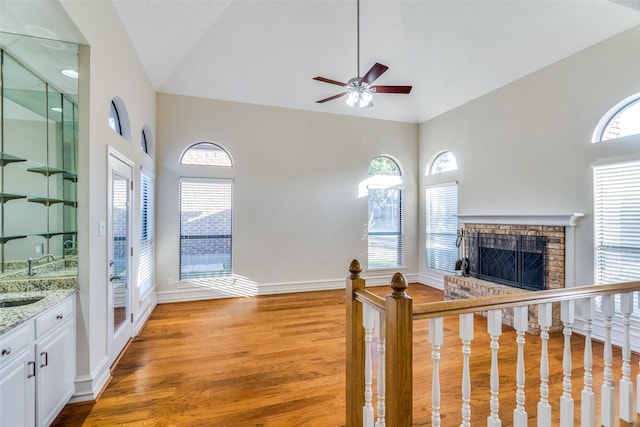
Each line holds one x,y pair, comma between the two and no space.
18,391
55,357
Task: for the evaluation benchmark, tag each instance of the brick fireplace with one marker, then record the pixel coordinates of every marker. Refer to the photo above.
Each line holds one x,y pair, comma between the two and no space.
559,231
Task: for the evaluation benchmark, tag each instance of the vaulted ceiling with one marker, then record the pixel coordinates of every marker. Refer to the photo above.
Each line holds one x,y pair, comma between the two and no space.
267,51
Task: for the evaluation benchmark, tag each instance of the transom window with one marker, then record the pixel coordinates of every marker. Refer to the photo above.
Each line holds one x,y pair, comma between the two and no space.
206,153
443,162
119,118
114,118
385,207
620,121
145,139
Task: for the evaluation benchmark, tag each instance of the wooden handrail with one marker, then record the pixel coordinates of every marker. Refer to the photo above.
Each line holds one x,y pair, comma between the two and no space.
367,297
470,305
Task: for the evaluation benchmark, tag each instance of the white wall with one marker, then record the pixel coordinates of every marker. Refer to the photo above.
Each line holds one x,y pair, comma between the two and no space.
297,218
109,67
526,148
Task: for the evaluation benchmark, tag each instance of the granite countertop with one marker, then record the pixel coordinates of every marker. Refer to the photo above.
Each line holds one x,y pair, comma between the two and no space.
52,291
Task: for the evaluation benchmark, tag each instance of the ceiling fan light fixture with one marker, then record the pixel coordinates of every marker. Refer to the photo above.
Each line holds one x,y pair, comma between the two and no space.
352,98
365,100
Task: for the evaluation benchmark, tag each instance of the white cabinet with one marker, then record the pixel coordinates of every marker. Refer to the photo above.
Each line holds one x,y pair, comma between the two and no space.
55,360
17,378
37,368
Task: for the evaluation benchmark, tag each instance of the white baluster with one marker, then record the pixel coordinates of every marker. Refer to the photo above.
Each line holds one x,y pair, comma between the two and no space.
638,377
608,395
435,338
380,328
626,386
588,417
567,315
494,328
368,323
520,320
544,320
466,335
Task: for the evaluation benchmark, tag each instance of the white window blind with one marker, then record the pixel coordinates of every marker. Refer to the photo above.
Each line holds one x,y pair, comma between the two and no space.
617,223
385,234
145,268
205,228
442,226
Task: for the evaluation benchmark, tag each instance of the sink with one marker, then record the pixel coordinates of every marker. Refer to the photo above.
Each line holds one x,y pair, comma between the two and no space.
19,302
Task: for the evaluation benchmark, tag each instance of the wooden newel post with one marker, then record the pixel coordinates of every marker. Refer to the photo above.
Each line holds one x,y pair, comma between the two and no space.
399,363
355,348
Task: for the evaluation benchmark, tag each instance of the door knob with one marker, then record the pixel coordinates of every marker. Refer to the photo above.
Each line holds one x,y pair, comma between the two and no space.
112,277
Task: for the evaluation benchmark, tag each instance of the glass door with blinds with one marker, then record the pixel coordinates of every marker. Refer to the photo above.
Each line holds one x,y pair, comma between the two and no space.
119,254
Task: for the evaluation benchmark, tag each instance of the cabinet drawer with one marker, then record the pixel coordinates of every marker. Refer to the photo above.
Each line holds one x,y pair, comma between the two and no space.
14,342
54,317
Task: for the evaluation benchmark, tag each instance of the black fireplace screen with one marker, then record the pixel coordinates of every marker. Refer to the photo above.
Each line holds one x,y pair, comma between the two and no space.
513,260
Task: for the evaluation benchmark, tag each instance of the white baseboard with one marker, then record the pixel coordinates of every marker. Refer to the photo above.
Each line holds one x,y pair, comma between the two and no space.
147,306
88,387
212,289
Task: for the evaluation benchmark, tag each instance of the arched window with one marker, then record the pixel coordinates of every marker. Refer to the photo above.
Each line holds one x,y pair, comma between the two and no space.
146,139
206,153
621,120
385,207
114,119
444,162
119,119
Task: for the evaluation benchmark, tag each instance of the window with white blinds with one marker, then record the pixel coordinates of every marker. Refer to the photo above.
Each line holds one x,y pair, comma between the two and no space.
386,245
205,228
385,222
145,267
442,226
616,188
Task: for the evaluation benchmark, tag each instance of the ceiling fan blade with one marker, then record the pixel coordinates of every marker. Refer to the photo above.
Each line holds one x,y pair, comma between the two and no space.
375,72
333,82
392,89
331,98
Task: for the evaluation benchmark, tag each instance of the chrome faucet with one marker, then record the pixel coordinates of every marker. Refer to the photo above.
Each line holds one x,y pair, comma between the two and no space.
31,260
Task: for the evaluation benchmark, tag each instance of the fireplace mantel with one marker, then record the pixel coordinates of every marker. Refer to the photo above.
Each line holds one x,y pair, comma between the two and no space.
565,220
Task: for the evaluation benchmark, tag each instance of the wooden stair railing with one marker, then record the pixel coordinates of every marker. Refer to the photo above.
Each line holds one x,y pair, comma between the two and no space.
391,319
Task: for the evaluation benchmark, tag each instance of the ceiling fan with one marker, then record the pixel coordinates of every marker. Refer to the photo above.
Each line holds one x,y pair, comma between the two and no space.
359,90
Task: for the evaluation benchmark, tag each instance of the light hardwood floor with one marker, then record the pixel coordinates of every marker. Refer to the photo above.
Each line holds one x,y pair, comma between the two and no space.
279,361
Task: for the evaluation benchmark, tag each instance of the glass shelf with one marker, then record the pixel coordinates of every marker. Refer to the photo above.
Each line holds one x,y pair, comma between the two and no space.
35,167
47,170
5,159
5,197
45,200
50,234
5,239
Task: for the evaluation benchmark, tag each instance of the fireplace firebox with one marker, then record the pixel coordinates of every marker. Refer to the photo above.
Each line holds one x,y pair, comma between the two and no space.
513,260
